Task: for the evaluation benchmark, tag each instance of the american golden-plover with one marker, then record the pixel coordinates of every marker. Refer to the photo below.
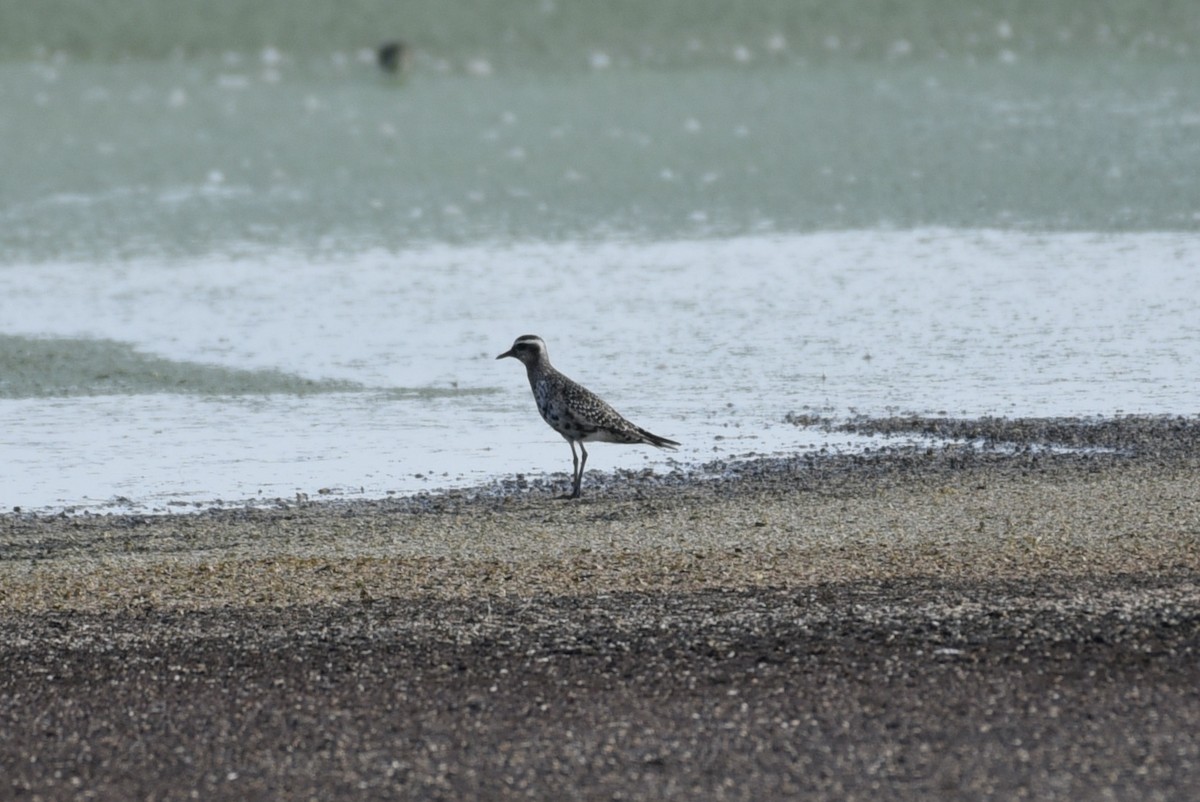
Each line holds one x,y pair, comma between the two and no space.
574,411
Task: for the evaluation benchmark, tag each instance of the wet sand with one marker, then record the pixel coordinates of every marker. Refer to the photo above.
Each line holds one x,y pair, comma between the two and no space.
992,620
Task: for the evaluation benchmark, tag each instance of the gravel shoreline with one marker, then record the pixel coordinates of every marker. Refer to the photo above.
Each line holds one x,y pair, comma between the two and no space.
982,620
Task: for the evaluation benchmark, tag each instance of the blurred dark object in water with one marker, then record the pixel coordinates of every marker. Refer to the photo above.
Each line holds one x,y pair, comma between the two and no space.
393,56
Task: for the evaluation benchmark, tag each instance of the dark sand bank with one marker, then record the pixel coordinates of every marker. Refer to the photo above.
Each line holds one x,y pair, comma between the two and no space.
962,622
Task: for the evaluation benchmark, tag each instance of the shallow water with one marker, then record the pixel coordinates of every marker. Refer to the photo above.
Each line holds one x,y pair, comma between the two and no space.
195,157
394,384
238,265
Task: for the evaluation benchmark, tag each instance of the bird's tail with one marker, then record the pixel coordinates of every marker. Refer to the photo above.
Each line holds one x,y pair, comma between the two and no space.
655,440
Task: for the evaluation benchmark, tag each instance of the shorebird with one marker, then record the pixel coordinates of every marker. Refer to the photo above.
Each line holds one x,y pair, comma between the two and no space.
574,411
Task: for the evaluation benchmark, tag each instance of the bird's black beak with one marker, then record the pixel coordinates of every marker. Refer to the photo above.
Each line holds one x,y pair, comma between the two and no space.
509,352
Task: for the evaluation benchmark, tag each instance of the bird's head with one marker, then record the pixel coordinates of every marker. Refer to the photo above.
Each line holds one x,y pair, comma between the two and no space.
529,348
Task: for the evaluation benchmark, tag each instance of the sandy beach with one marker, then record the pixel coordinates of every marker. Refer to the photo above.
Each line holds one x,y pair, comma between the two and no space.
998,619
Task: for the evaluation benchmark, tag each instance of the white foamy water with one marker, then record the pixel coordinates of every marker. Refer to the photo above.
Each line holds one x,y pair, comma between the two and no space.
711,343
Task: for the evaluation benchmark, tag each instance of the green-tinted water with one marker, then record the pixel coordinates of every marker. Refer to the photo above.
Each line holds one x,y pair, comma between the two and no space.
239,125
187,158
564,34
44,368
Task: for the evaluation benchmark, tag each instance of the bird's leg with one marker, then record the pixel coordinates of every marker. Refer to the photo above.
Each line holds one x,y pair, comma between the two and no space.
579,473
574,471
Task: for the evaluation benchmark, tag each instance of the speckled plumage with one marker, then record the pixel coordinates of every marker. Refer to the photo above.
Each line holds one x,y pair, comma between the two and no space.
572,410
